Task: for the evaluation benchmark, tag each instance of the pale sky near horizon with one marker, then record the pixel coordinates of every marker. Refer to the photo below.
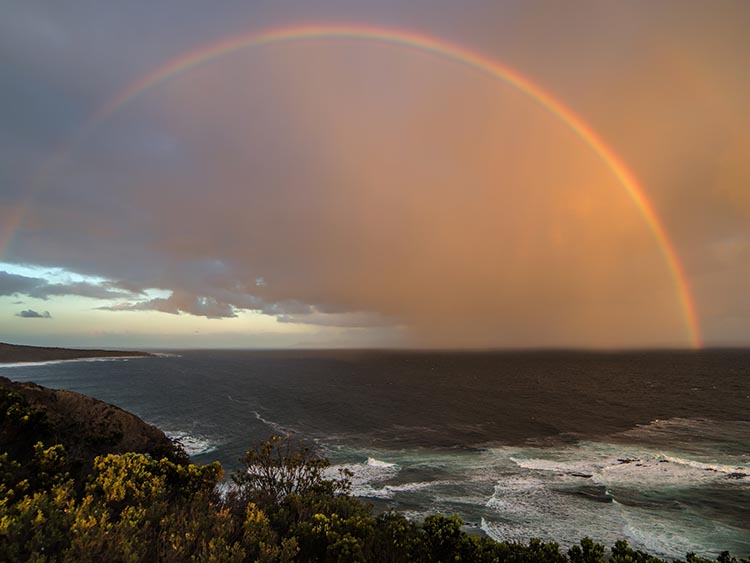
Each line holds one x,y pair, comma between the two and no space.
339,192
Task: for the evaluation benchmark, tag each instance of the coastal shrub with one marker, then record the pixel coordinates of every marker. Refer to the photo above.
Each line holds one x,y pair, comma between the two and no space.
149,506
36,527
444,538
537,550
278,468
22,426
299,500
623,553
397,539
588,552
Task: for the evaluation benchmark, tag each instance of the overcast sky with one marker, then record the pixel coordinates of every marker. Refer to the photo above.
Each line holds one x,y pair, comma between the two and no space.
353,192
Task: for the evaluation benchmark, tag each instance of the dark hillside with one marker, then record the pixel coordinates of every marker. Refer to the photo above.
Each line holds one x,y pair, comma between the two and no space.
85,426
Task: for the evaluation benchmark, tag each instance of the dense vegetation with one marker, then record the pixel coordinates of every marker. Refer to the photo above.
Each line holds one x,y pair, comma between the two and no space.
283,507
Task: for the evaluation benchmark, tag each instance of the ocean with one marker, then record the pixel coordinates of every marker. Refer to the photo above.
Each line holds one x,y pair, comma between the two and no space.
652,447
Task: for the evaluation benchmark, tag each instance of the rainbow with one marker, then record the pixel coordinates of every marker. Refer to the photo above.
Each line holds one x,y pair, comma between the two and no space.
442,49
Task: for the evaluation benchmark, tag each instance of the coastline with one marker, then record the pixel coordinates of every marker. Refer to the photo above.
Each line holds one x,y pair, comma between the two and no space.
32,363
12,355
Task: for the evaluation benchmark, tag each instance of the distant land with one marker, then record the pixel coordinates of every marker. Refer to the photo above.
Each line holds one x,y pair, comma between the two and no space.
12,353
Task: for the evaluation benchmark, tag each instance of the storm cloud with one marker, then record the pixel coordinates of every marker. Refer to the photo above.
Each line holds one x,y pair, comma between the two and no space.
369,185
180,303
31,314
40,288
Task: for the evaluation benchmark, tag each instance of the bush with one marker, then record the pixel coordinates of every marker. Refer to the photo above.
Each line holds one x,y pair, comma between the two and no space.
278,468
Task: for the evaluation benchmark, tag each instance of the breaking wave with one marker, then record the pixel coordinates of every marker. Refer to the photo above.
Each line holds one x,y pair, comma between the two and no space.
192,444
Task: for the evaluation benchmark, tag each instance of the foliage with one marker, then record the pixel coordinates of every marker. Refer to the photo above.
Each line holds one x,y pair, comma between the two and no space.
588,552
21,428
284,508
278,468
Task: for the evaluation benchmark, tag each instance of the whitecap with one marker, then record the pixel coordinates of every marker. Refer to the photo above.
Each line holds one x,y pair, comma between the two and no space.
606,491
192,444
367,477
528,506
275,426
372,462
715,467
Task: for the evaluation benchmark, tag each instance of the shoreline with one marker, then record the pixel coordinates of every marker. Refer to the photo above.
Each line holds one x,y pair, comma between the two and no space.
13,355
31,363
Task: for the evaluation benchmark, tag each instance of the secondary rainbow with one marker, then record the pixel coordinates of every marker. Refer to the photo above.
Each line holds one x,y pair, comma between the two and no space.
445,50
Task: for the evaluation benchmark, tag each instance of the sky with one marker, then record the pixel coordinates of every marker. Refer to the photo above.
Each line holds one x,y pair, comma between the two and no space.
366,192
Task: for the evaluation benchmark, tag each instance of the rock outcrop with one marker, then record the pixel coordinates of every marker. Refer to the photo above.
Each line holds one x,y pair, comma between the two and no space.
86,427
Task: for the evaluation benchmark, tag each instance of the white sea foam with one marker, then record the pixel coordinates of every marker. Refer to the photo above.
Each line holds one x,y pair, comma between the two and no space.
275,426
679,533
715,467
417,486
192,444
390,491
529,506
371,471
630,466
568,467
607,491
367,477
52,362
702,439
372,462
662,470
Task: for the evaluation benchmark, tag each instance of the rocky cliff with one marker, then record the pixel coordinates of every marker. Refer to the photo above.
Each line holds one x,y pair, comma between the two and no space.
85,426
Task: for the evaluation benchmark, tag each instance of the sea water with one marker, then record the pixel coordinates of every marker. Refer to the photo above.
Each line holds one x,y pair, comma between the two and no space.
652,447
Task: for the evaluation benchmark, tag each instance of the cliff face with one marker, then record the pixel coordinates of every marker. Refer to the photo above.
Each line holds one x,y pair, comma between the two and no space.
12,353
86,427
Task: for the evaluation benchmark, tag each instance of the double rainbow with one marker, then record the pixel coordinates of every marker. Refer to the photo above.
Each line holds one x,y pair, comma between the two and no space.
427,44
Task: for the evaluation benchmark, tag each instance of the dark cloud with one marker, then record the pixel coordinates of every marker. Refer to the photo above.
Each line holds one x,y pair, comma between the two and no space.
31,314
82,289
181,303
39,288
287,308
13,284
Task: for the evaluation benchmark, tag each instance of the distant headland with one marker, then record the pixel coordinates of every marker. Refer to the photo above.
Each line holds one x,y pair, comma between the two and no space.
12,353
